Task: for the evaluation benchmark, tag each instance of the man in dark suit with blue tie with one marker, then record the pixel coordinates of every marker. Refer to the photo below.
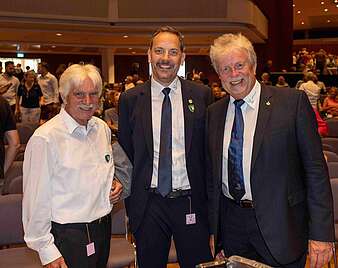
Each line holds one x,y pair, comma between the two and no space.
161,128
269,192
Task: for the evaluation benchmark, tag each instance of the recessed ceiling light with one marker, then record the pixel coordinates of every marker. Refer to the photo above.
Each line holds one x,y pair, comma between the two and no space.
302,22
328,21
294,5
322,2
298,12
53,46
336,5
326,10
59,34
14,45
125,36
336,1
130,48
36,46
133,52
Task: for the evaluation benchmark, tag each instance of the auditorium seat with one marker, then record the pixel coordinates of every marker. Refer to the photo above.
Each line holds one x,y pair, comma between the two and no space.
332,125
333,169
11,233
333,142
331,156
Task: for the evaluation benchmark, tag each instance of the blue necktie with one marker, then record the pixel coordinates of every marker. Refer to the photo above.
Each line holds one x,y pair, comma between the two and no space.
165,159
235,155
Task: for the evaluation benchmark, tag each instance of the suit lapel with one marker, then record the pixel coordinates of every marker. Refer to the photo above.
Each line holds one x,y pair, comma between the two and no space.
219,139
188,115
146,114
265,106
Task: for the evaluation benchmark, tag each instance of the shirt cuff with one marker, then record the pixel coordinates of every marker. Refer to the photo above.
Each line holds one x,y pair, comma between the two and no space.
49,254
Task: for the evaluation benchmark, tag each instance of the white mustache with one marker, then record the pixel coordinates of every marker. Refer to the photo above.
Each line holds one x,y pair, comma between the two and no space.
86,107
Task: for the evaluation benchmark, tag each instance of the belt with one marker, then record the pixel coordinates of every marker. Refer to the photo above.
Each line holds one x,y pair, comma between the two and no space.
242,203
82,224
99,220
173,194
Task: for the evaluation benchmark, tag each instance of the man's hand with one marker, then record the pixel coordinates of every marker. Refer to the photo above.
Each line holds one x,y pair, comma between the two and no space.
58,263
212,245
320,253
115,191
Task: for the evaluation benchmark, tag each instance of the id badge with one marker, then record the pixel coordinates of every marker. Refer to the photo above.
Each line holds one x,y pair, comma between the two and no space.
190,219
90,249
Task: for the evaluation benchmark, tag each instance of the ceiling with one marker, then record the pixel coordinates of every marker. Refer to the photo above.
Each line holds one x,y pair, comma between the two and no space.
311,14
40,36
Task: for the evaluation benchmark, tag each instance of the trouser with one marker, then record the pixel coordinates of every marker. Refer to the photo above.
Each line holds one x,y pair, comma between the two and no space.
30,115
165,218
72,239
241,235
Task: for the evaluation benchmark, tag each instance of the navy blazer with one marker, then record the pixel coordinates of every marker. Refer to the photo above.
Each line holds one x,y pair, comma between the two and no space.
289,177
136,138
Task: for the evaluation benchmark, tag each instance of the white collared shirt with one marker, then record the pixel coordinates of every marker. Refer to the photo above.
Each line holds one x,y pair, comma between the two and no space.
49,87
179,171
67,176
250,113
10,94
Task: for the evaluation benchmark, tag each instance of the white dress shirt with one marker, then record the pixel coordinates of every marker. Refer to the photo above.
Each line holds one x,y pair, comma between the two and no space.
179,171
49,87
10,94
250,113
67,176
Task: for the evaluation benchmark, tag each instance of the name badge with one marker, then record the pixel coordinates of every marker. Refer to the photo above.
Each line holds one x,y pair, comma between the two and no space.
190,219
90,249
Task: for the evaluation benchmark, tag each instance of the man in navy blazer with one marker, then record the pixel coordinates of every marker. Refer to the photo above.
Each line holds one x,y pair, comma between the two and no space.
181,212
276,202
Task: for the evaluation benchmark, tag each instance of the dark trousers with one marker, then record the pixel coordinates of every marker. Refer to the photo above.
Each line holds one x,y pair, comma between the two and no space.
241,235
164,218
49,111
71,240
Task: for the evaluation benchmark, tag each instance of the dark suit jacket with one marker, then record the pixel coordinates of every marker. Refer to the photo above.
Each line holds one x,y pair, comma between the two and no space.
289,178
136,138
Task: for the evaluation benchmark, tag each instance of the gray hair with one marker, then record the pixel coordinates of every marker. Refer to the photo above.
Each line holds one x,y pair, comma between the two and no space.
228,42
74,76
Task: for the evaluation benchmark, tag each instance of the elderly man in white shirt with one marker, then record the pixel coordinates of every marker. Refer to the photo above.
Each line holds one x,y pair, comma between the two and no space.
68,179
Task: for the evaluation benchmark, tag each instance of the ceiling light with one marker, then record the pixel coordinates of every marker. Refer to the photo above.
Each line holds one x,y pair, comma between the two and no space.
130,48
294,5
125,36
14,45
322,2
302,22
53,46
328,21
59,34
336,5
133,52
336,1
326,10
36,46
298,12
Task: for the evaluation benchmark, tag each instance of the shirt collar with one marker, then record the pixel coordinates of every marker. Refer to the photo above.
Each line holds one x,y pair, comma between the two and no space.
252,99
73,126
157,87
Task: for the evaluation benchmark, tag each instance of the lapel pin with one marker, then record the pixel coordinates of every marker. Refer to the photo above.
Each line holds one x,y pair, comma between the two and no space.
268,103
191,106
107,157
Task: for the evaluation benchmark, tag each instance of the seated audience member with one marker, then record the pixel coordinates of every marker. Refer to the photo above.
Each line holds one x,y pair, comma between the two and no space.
281,82
323,129
217,91
128,83
30,94
70,179
266,79
111,115
330,104
311,89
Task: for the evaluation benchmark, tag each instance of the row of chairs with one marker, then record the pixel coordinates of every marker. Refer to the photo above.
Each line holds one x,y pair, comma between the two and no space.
122,252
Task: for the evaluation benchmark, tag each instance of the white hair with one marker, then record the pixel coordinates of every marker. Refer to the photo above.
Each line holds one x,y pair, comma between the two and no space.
227,42
74,76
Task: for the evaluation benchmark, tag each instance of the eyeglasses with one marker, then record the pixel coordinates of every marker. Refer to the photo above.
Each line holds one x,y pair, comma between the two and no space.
82,95
173,52
237,67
